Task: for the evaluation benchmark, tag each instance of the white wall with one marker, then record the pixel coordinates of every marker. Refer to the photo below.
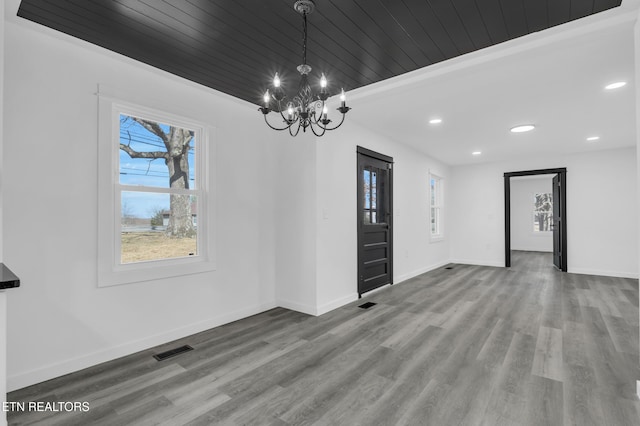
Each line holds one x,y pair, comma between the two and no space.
3,295
336,265
636,32
60,320
522,235
296,232
601,211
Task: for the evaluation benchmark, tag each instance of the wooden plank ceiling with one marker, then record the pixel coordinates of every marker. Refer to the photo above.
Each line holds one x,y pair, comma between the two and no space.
236,46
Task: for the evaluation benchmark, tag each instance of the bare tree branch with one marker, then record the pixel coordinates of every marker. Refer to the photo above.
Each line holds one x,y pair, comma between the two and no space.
136,154
154,128
188,139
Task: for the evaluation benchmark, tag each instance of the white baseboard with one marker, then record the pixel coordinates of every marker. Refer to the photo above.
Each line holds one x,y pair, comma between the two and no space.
400,278
298,307
499,264
337,303
603,273
51,371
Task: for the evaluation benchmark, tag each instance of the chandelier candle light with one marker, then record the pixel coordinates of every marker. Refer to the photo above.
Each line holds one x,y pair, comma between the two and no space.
306,109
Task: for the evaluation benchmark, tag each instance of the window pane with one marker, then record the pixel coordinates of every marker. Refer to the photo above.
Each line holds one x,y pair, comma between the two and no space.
367,189
157,226
143,148
433,221
432,191
374,191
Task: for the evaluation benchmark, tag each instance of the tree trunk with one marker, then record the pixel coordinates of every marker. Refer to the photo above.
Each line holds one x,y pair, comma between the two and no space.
180,220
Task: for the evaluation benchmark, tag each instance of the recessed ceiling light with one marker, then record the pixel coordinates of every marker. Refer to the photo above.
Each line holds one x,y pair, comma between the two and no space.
593,138
435,121
615,85
476,153
523,128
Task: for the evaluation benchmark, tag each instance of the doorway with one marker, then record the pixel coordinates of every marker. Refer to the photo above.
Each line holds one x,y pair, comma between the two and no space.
558,216
375,220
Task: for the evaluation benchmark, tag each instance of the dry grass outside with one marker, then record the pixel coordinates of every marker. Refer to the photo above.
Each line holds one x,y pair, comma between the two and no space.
141,246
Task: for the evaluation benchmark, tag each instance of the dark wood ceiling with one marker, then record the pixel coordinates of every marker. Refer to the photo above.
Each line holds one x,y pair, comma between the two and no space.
235,46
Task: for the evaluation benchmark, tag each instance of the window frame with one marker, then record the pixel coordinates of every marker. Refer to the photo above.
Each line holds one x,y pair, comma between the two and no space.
110,269
436,204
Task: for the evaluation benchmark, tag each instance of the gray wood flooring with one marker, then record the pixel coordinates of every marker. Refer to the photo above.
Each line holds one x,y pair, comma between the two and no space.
469,345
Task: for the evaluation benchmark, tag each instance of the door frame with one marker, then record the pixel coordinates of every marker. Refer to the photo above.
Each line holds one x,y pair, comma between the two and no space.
359,192
562,174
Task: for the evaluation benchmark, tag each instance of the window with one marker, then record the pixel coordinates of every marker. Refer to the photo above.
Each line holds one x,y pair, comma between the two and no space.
157,189
542,212
154,195
435,203
371,205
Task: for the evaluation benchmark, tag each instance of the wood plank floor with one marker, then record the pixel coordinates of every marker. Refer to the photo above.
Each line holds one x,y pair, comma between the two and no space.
469,345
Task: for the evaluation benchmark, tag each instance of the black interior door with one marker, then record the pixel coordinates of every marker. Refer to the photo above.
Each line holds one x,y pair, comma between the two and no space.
375,220
557,223
559,219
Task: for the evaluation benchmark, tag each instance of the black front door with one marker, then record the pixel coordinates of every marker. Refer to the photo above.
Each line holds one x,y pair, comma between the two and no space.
557,223
375,224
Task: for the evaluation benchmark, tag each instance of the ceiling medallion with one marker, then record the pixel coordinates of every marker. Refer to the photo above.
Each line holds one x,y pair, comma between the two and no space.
306,109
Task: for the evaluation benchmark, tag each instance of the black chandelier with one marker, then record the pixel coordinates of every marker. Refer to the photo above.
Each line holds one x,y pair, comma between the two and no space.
306,109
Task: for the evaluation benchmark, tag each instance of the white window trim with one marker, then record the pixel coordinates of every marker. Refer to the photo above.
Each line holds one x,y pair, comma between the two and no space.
439,205
110,271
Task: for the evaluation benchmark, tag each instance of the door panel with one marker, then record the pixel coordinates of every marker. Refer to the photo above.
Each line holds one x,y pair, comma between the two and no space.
557,223
375,253
560,221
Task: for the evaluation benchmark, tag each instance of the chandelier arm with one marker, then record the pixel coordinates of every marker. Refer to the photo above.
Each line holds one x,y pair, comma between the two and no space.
275,128
317,117
297,130
283,117
333,128
313,129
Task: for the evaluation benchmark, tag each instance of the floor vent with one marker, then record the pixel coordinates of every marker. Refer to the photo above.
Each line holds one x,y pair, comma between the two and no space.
173,352
367,305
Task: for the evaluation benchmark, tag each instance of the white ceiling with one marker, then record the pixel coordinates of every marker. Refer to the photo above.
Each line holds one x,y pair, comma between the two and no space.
554,79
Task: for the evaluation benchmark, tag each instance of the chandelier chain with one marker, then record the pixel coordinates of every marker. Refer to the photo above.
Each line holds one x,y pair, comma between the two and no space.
304,40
